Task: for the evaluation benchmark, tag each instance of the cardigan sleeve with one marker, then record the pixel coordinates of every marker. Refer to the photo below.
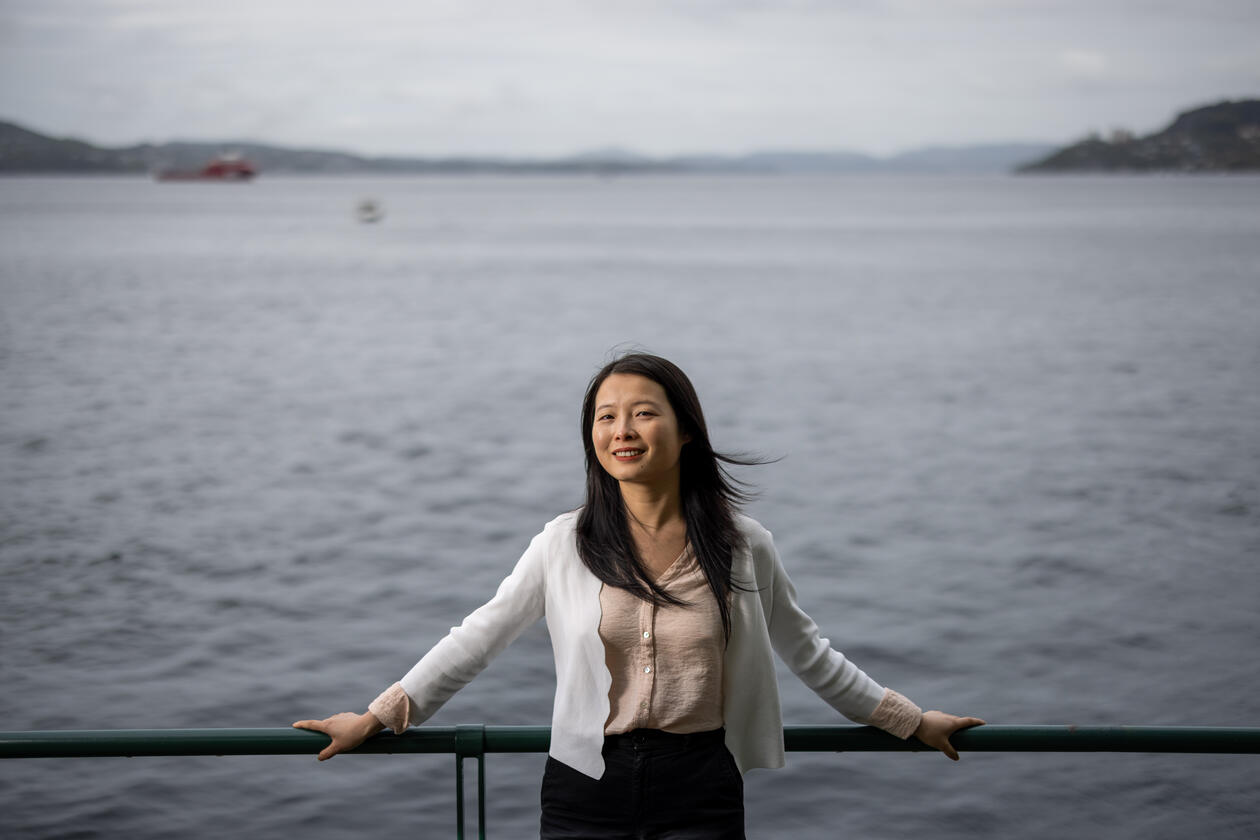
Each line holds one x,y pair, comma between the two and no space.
393,708
468,648
844,686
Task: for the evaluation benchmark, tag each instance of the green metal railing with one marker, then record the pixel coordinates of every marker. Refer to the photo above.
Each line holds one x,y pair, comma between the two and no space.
475,741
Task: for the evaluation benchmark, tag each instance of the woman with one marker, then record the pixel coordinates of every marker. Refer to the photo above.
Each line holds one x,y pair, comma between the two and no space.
663,605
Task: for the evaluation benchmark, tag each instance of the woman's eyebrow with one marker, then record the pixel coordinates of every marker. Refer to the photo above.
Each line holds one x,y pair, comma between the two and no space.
644,401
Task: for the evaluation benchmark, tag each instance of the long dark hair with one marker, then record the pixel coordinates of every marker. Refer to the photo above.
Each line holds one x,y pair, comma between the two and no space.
709,495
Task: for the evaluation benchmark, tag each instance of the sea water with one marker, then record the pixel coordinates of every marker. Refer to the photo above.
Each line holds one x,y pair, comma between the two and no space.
256,456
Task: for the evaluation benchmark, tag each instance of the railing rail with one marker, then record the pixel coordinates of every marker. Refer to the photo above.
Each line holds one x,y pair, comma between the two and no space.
474,741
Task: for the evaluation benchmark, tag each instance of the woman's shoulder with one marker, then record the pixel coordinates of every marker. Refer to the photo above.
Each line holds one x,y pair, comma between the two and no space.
760,542
554,545
754,565
565,522
752,530
560,531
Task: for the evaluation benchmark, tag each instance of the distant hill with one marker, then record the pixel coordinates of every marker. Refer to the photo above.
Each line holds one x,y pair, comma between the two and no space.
25,151
1216,138
988,159
996,157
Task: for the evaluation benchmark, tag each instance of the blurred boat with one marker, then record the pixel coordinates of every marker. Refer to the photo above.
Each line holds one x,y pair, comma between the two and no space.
221,168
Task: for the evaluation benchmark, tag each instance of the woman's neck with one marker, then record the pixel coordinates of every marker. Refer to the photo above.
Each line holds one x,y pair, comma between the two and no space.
652,507
656,525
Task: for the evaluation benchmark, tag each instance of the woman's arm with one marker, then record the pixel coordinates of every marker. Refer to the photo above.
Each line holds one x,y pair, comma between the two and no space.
799,643
483,634
837,680
451,663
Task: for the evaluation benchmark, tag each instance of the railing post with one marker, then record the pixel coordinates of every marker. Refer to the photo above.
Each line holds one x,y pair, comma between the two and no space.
459,797
470,742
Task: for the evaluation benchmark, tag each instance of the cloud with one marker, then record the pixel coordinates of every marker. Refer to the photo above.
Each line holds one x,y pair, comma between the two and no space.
1084,64
554,76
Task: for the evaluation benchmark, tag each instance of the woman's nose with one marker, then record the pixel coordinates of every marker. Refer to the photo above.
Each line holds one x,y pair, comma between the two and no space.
624,430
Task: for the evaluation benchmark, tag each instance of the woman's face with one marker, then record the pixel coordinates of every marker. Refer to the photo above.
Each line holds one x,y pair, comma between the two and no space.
635,431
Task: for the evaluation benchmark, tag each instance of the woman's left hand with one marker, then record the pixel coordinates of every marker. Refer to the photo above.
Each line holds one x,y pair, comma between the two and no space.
936,727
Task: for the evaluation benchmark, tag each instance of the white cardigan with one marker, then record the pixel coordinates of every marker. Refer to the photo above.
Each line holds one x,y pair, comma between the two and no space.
551,580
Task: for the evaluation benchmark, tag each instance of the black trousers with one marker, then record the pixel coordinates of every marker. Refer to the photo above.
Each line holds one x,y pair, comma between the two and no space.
655,785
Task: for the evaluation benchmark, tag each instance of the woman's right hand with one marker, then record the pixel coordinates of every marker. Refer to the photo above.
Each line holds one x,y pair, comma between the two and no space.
346,729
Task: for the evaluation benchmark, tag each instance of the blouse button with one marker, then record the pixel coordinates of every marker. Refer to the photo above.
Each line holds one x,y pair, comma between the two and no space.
647,669
647,635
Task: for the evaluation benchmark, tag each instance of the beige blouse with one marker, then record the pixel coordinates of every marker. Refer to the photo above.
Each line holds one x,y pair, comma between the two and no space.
665,661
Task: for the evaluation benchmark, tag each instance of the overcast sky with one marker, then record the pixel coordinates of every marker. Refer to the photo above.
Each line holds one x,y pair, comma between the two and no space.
544,77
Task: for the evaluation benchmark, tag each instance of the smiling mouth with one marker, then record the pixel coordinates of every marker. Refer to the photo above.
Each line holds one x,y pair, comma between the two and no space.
627,454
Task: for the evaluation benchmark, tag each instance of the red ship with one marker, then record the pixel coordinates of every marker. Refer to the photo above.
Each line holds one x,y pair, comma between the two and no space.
222,168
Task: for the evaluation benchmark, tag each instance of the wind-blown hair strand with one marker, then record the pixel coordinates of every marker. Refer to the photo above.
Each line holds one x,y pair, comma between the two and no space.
710,496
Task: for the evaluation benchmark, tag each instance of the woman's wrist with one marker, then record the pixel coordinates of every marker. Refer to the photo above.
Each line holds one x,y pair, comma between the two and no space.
370,724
